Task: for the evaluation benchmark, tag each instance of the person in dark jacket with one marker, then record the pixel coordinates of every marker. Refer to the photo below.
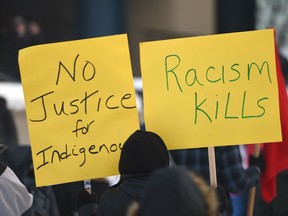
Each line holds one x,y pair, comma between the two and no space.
142,153
16,200
19,159
230,172
8,130
176,191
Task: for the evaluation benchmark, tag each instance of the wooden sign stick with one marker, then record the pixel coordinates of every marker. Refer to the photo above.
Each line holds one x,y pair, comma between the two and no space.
212,167
252,191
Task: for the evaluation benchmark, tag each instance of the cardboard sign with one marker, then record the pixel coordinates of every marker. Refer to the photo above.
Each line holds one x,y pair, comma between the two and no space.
213,90
81,107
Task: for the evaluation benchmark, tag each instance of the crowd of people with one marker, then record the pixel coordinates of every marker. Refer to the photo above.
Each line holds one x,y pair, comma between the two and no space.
153,181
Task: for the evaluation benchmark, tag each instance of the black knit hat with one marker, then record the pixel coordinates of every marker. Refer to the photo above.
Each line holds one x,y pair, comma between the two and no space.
143,152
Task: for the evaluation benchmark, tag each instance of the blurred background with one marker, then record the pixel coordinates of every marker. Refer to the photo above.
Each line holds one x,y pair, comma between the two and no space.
30,22
25,23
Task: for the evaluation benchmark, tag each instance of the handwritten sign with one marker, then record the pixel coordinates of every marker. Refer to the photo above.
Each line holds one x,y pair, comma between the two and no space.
213,90
81,107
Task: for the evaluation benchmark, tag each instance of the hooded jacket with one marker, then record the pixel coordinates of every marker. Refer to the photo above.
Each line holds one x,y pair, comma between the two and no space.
142,153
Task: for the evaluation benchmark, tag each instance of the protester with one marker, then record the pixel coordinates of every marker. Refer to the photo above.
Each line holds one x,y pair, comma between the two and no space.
273,197
35,33
142,153
229,169
278,205
8,131
16,200
19,159
16,38
175,191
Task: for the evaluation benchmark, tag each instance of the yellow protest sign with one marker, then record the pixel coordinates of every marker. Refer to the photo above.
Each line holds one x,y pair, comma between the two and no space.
81,107
212,90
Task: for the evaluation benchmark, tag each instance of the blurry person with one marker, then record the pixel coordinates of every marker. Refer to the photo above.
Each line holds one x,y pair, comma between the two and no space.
16,200
16,39
8,132
142,153
36,35
176,191
229,168
19,159
272,198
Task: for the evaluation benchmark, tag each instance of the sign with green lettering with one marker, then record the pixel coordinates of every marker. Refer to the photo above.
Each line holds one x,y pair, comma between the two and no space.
212,90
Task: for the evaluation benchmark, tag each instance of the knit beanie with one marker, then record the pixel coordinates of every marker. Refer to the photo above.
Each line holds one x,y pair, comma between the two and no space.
143,152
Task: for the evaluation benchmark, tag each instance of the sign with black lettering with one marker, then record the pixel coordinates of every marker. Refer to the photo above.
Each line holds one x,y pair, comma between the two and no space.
81,107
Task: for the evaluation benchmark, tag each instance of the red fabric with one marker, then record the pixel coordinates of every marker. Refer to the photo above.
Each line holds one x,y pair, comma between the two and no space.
276,154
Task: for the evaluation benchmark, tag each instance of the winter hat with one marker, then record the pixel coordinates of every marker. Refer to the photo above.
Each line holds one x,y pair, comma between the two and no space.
143,152
172,191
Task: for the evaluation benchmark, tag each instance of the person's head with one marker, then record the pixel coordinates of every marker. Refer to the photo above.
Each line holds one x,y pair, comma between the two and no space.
175,191
143,152
19,24
34,28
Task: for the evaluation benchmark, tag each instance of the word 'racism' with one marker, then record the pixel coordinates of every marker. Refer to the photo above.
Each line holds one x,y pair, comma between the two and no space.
211,107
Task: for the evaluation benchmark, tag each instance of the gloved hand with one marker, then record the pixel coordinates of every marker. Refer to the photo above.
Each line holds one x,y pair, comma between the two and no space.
222,199
257,161
85,198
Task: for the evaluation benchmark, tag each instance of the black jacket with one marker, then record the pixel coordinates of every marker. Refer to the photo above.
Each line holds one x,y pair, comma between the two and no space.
119,197
142,153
